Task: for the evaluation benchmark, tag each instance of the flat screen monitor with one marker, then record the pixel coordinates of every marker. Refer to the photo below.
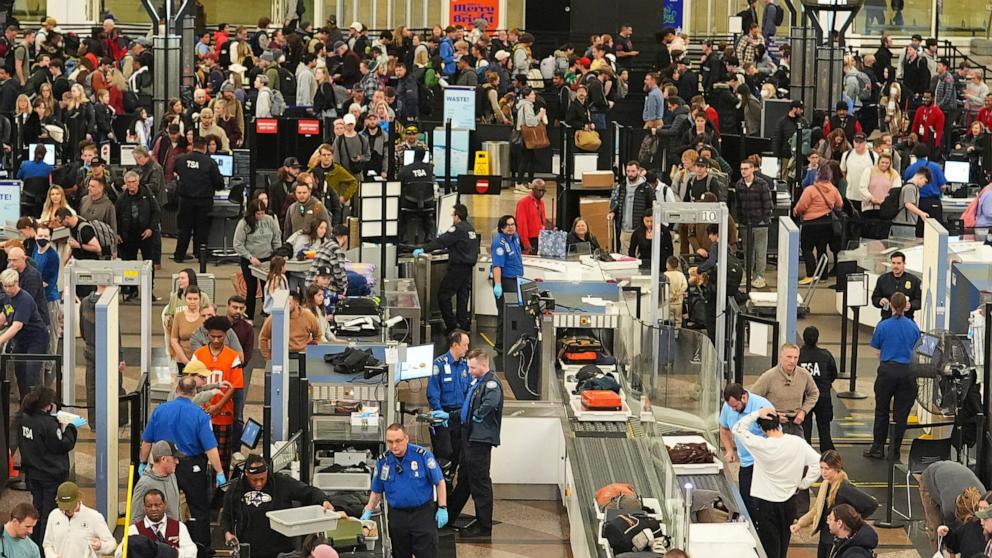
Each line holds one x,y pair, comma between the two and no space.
526,291
286,454
49,152
409,154
225,163
957,172
419,363
251,434
928,345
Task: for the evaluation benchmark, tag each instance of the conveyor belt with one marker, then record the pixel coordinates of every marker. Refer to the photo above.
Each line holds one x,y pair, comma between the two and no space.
599,429
606,460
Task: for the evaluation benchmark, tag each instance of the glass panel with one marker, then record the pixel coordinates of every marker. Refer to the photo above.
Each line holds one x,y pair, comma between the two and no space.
878,15
434,13
31,11
417,14
364,13
964,19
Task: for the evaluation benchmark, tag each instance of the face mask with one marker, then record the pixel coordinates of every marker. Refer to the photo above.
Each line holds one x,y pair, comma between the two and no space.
42,242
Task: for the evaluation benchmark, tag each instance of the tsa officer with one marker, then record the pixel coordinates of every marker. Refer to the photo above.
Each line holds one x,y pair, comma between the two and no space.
897,281
446,391
462,243
186,425
409,476
482,417
508,264
895,383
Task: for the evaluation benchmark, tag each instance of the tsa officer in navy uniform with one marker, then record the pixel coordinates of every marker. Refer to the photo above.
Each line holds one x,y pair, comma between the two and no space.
482,417
409,477
508,264
462,243
446,391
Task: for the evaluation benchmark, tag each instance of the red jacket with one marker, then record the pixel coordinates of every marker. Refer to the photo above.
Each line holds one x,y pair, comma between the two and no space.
713,117
928,124
985,117
530,219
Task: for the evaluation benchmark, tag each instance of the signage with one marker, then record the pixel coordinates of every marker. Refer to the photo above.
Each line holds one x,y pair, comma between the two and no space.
266,126
459,107
308,127
482,185
10,201
672,14
465,12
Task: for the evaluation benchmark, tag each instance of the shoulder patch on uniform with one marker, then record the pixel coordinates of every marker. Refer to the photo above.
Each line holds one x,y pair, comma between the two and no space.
500,251
436,370
451,230
491,384
431,464
421,450
471,234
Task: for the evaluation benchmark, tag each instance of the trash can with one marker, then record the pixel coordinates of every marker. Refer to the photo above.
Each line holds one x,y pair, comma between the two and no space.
499,158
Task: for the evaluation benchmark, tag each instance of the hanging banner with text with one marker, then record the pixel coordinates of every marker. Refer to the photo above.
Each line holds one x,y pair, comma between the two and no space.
10,201
465,12
672,15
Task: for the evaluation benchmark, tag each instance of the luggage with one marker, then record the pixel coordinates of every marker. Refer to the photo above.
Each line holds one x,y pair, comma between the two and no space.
551,243
631,532
599,383
611,491
351,361
357,317
601,400
690,453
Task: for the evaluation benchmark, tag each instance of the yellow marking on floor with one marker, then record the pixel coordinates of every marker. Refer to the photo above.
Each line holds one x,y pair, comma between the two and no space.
486,339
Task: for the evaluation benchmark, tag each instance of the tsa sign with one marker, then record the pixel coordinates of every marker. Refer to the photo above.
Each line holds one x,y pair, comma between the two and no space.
10,201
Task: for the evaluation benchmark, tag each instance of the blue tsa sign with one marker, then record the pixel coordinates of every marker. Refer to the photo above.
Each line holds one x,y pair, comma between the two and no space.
459,107
10,201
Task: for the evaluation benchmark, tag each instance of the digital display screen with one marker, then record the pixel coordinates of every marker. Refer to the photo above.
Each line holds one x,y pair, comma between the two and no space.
251,434
225,163
419,363
957,172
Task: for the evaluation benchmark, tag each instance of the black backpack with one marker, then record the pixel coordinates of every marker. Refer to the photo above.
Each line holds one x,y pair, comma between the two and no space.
890,205
625,533
351,361
779,14
287,85
425,99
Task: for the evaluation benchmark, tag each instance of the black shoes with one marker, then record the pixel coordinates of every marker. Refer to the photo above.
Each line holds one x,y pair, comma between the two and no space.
474,531
875,452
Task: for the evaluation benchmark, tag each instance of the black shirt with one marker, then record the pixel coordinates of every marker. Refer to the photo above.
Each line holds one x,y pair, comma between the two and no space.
22,308
83,232
888,285
822,366
198,176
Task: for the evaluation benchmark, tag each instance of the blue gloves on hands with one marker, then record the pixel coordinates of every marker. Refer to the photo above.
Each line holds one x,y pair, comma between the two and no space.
417,252
366,515
440,415
141,468
221,479
498,291
78,422
442,517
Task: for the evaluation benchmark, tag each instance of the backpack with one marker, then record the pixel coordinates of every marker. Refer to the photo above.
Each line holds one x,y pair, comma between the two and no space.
890,205
864,86
253,41
649,155
425,99
106,237
548,67
631,533
287,83
970,215
779,15
277,103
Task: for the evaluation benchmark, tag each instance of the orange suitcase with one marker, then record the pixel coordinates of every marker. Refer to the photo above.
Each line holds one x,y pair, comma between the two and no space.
601,400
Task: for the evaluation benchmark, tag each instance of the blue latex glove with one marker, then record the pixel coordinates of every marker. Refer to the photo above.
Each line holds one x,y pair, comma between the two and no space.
442,517
476,419
141,468
221,478
78,422
440,415
366,515
417,252
498,291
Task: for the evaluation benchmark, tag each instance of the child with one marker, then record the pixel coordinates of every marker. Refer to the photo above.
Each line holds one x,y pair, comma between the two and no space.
276,280
104,117
677,286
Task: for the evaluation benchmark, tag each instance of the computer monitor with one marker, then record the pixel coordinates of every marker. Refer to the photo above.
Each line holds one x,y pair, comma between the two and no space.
127,155
419,363
49,152
957,172
251,434
769,166
928,345
225,163
410,153
526,290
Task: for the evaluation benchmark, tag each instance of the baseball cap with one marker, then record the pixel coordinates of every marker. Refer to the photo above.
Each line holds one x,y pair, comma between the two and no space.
859,137
584,62
97,162
796,104
356,26
196,367
291,162
164,448
67,496
984,514
267,56
325,270
349,119
502,55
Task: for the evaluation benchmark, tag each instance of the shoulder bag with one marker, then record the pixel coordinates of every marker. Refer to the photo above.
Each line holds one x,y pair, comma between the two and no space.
836,214
535,137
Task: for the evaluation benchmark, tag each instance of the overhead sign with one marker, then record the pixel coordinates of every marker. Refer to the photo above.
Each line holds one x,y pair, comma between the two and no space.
671,16
308,127
266,126
10,201
459,107
465,12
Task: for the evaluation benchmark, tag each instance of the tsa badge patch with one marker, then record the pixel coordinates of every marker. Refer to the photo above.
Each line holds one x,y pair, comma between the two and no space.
500,251
431,464
437,371
909,285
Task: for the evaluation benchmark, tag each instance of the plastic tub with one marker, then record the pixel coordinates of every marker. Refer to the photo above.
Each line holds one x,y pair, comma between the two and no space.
306,520
342,481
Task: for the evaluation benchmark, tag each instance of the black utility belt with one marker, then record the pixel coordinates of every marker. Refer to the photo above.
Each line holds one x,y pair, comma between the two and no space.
421,507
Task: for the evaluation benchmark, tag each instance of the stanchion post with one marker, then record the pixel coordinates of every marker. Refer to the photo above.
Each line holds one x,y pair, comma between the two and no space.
860,299
267,418
889,523
843,335
203,258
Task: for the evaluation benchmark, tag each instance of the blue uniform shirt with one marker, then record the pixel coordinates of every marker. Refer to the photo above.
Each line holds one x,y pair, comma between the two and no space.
182,423
895,338
932,188
407,482
507,255
730,417
448,383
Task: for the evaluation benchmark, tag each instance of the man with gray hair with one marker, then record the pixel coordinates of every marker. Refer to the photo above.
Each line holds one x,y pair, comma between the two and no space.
160,474
26,330
29,279
138,215
790,388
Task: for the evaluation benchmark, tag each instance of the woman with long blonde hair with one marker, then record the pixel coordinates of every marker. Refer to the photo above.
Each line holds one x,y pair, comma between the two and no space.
46,95
80,117
54,200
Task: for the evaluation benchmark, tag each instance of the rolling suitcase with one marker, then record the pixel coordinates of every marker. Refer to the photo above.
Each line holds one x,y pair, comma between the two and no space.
601,400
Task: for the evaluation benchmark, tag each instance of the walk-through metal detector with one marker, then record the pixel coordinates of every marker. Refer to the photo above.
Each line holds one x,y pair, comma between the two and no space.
118,273
279,363
786,309
108,357
691,213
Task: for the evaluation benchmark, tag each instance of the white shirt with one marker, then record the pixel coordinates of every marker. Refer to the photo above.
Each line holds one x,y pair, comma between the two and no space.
67,537
853,166
187,548
778,462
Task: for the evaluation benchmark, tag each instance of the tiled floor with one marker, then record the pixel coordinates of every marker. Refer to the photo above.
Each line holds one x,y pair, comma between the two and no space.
540,528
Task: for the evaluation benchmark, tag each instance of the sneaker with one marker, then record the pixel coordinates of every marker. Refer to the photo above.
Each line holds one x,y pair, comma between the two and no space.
759,283
806,281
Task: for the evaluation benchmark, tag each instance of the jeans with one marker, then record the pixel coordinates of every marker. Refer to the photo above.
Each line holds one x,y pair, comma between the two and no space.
758,251
815,235
774,519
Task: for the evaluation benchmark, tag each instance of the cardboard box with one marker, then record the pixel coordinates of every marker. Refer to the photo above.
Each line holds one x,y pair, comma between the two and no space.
354,238
597,179
594,209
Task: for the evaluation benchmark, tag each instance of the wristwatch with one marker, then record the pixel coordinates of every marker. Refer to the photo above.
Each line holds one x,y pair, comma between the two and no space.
442,507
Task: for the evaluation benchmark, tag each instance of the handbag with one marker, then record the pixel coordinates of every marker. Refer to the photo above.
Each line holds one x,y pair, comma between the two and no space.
588,140
836,215
551,243
535,137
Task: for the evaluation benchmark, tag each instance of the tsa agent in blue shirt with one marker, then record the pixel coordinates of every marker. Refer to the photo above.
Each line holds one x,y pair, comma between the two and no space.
508,264
446,389
738,403
409,477
930,192
895,383
187,426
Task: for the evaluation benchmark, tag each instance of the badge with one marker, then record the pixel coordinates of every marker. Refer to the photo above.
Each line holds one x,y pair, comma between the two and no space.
384,473
431,464
491,384
413,466
909,285
500,251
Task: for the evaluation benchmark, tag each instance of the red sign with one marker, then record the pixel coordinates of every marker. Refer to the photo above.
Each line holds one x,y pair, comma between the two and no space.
465,12
308,127
482,186
266,126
